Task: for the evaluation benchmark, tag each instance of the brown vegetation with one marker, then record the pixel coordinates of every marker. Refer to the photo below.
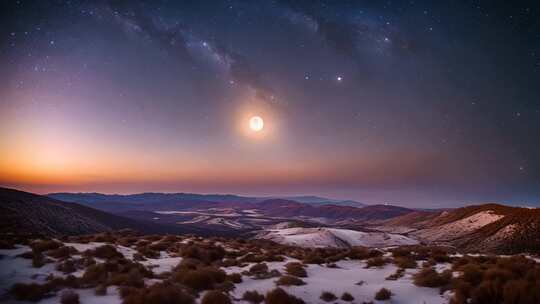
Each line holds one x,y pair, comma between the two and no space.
328,296
288,280
280,296
383,294
253,297
215,297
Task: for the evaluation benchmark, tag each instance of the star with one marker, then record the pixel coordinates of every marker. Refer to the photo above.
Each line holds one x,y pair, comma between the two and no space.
339,78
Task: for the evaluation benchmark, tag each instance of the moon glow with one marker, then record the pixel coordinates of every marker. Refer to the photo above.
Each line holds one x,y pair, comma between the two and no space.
256,123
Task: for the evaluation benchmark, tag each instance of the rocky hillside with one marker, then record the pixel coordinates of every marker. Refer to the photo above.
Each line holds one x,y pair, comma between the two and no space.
27,213
480,228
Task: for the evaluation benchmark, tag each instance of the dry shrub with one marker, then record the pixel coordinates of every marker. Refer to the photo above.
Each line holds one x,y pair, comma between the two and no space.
38,260
29,292
148,252
132,278
67,266
63,252
376,262
253,297
207,253
101,290
95,274
296,269
290,280
429,277
362,253
400,272
106,252
347,297
203,278
229,262
280,296
328,296
235,278
159,293
486,279
57,283
69,297
401,252
44,245
215,297
258,268
405,262
383,294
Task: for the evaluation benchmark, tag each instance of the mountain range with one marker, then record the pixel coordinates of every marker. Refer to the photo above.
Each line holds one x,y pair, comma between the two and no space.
481,228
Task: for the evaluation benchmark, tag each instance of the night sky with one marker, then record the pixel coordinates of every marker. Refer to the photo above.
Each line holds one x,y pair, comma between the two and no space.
413,103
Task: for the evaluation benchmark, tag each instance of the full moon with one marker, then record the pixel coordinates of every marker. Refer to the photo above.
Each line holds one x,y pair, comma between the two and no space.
256,123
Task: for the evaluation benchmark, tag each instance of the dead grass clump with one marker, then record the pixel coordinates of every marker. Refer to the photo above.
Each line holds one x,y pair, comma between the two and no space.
328,296
376,262
63,252
148,252
203,278
44,245
280,296
95,274
405,262
260,272
159,293
66,266
207,253
106,252
132,278
296,269
101,290
347,297
258,268
290,281
253,297
235,278
362,253
215,297
69,297
29,292
400,272
486,279
38,260
383,294
429,277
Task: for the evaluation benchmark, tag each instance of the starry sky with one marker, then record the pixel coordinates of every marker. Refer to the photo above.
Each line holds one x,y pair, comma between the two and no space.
413,103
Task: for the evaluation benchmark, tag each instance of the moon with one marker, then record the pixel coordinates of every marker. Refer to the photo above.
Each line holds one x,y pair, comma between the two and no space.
256,123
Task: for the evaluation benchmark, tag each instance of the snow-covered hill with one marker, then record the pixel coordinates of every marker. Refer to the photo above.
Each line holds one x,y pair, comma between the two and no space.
334,237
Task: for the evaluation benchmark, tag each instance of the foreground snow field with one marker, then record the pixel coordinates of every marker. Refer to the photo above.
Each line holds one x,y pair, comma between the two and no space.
343,277
127,264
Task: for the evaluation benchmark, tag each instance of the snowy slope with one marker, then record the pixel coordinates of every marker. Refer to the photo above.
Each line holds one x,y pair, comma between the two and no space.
333,237
458,228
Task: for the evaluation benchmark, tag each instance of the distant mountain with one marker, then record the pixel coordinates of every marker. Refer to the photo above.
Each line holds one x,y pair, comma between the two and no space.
481,228
24,212
316,200
289,208
142,199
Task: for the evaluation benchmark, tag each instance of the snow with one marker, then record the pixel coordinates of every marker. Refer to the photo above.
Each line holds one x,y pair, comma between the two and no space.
344,279
458,228
88,296
20,270
333,237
